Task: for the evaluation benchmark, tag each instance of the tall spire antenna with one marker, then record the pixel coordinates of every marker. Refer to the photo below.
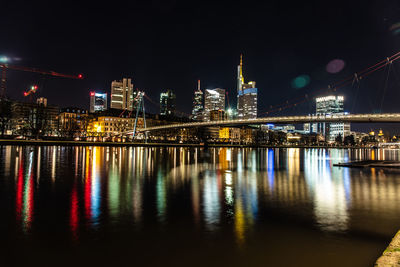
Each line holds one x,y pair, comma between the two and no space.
241,69
198,85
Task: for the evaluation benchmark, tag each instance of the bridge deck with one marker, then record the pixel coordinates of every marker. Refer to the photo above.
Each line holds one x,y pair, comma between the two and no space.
355,118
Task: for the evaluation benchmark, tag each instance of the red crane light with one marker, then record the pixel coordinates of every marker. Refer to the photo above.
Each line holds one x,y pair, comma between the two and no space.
80,76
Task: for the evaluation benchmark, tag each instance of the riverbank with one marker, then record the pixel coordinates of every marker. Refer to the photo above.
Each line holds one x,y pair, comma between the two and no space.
140,144
369,164
391,255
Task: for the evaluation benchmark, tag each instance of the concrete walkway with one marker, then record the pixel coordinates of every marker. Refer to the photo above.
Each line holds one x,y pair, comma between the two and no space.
391,255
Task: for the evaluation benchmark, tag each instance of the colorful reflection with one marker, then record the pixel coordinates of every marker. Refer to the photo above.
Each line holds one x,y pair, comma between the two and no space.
131,188
74,213
25,192
95,187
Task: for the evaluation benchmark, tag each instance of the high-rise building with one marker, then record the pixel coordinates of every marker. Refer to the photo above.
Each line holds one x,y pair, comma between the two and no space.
328,105
246,96
214,99
167,103
197,104
98,102
122,94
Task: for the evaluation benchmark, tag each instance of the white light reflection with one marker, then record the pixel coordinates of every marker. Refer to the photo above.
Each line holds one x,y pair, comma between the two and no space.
53,164
211,201
330,205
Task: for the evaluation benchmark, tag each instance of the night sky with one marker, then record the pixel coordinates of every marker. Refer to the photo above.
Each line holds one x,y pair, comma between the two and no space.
167,44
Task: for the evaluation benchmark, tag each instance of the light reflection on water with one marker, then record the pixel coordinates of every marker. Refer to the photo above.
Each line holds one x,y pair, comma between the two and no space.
215,189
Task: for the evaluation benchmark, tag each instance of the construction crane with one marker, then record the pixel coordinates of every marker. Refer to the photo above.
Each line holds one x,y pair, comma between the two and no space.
4,68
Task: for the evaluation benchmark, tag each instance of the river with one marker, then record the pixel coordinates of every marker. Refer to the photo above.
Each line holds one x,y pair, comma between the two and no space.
135,206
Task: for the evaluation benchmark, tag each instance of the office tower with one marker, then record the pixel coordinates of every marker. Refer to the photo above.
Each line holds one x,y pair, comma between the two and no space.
214,99
197,104
246,97
122,94
167,103
329,105
98,101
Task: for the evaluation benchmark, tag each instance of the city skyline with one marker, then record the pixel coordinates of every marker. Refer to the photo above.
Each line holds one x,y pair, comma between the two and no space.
200,133
171,62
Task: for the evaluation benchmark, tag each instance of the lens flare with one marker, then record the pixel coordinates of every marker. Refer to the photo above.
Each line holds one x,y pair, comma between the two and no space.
4,59
301,81
335,66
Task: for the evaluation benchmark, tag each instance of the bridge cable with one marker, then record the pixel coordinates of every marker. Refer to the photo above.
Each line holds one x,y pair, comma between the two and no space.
356,81
362,74
396,74
386,85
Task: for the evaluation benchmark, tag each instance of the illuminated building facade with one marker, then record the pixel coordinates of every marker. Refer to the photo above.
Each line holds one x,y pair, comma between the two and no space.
246,96
109,125
72,120
98,102
328,105
167,103
122,94
198,104
229,134
217,115
214,99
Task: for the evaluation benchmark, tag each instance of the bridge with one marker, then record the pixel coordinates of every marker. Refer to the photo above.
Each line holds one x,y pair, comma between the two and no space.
354,118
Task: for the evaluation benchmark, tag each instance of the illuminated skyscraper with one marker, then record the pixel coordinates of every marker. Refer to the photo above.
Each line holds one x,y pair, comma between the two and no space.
167,103
98,101
246,97
198,104
122,94
328,105
214,99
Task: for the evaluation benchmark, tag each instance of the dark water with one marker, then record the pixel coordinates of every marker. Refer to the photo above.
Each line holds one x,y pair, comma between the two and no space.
98,206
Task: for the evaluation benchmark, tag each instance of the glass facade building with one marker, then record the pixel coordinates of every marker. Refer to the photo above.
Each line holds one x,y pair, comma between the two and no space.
246,96
197,105
98,102
167,103
328,105
214,99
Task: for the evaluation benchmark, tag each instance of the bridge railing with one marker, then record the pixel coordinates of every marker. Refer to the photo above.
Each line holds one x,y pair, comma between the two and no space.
313,118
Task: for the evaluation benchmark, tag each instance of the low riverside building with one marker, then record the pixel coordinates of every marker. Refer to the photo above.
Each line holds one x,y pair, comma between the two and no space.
110,126
72,121
34,120
231,135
